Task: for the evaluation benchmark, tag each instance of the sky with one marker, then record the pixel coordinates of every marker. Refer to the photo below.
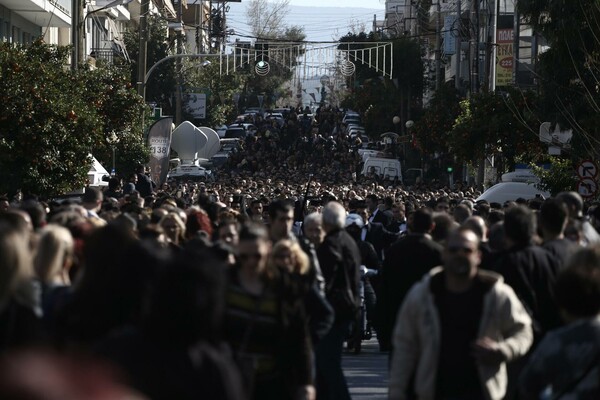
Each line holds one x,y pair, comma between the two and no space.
380,4
329,21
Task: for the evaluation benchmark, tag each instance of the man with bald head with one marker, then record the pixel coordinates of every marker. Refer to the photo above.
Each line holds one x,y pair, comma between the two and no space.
457,329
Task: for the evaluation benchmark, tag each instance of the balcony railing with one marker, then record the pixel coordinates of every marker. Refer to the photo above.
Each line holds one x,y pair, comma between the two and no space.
108,56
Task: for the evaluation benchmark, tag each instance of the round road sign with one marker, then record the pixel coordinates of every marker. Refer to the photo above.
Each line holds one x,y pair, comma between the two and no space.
587,187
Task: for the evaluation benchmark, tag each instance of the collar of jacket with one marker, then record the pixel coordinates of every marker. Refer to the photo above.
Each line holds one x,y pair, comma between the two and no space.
486,276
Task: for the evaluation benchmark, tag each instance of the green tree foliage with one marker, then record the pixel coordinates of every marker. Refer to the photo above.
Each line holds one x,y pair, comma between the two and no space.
432,129
569,71
53,119
380,99
560,177
160,88
494,124
220,107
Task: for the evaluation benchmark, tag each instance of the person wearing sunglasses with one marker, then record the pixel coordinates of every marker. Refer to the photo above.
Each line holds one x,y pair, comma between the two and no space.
265,323
457,328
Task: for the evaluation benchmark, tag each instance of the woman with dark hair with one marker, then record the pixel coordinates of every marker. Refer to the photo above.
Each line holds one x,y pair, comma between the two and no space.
567,361
175,352
265,323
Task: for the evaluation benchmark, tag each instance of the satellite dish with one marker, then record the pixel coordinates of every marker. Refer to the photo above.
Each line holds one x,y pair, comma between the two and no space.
545,136
562,137
214,142
187,141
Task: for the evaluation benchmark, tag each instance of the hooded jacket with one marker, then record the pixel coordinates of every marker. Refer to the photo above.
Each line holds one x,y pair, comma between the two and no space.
417,338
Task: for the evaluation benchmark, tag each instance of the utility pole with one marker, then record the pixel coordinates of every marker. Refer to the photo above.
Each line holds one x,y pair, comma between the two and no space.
438,48
75,33
178,100
474,46
457,84
142,56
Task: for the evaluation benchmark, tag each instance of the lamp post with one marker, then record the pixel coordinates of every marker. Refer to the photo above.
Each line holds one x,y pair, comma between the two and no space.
112,139
141,85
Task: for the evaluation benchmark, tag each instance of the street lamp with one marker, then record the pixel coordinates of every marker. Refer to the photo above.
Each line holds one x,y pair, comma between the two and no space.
112,139
141,84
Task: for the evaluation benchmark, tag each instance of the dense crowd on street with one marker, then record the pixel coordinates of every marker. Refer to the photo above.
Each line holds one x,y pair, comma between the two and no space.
253,285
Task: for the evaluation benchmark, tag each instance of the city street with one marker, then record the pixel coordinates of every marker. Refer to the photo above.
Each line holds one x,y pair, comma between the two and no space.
367,372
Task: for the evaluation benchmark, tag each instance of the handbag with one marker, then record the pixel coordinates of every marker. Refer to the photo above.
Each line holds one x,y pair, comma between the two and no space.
341,297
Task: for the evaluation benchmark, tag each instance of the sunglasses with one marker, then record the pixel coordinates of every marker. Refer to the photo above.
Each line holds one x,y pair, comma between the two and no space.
246,257
456,249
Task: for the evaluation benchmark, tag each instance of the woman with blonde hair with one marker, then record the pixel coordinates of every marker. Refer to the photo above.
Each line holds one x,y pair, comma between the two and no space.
174,229
52,263
288,255
19,297
54,256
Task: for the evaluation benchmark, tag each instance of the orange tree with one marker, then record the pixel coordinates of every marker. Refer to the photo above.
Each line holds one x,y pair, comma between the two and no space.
498,124
53,119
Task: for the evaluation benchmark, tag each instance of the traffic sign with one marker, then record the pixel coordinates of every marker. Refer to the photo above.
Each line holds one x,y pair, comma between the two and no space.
587,187
587,169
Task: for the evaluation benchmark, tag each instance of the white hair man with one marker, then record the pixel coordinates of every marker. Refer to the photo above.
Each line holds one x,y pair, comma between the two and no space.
339,258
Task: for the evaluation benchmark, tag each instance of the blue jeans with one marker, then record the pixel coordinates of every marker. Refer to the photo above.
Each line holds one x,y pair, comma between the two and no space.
331,383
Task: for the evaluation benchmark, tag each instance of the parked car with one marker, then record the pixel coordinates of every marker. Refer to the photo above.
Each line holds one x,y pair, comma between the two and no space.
221,130
235,132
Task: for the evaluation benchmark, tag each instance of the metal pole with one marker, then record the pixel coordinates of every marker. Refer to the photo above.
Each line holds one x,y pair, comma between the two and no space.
142,59
114,171
75,28
438,48
457,84
494,34
178,94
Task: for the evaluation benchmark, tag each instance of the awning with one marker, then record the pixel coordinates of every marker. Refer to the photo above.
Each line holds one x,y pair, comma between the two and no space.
166,6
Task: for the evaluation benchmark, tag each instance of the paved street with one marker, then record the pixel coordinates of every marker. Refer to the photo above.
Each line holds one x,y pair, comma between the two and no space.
366,372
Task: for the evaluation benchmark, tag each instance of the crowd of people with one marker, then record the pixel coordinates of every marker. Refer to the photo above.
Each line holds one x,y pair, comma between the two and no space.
185,293
252,285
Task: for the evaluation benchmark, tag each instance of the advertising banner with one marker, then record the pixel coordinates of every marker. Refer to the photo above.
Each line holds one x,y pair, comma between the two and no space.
505,57
159,140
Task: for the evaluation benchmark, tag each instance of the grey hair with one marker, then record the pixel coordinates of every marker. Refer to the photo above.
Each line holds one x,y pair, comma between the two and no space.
313,217
334,215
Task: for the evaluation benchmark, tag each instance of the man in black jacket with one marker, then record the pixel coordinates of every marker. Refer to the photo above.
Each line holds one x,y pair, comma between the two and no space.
144,183
375,232
529,269
405,263
339,257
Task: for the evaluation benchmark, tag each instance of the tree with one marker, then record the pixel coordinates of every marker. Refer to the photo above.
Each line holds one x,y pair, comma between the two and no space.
560,177
266,18
569,71
492,124
431,131
160,87
54,119
382,97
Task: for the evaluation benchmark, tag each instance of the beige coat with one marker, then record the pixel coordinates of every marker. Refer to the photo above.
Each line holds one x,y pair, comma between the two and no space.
416,338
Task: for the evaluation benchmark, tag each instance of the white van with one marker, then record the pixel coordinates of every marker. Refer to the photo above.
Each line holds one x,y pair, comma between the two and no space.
388,168
510,191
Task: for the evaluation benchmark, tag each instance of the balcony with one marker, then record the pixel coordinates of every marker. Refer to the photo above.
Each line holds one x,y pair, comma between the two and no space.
55,13
109,56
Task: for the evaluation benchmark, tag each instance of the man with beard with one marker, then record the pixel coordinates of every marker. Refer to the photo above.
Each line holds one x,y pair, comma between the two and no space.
457,329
